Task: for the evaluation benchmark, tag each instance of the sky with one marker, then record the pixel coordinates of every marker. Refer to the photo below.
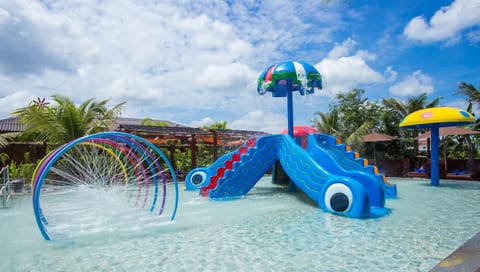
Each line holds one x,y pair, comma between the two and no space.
197,62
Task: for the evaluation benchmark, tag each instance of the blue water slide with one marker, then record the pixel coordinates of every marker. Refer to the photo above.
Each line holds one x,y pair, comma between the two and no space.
242,169
324,148
334,193
335,164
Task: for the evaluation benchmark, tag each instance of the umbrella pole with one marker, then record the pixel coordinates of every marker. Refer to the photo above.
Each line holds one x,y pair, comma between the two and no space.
444,153
435,157
291,185
290,113
374,155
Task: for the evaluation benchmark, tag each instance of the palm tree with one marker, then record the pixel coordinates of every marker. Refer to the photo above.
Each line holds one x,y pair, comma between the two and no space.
468,90
473,96
329,123
64,122
6,138
396,110
412,104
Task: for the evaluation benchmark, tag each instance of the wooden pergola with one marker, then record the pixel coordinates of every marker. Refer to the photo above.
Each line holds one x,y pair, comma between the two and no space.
172,137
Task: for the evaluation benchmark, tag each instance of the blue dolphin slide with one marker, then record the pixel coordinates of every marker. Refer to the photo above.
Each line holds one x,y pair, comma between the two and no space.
325,170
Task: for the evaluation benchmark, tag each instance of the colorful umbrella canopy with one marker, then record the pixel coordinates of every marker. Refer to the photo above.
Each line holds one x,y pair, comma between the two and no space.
284,78
289,76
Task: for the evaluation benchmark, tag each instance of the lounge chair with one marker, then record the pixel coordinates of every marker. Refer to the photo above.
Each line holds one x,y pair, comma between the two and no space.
460,174
418,173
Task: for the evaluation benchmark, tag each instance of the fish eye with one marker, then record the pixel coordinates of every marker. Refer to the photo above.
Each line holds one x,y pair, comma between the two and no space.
338,198
198,178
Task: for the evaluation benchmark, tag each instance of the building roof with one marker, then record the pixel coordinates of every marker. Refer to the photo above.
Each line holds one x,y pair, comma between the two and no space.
161,134
139,121
11,124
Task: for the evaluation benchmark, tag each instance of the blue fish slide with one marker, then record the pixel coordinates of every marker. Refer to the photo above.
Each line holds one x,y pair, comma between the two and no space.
327,174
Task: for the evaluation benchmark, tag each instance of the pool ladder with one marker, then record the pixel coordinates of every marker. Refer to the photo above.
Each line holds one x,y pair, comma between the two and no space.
6,190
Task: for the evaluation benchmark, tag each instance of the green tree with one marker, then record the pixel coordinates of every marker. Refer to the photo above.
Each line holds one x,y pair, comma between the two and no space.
216,125
65,121
329,123
6,138
396,110
150,122
352,116
472,93
473,97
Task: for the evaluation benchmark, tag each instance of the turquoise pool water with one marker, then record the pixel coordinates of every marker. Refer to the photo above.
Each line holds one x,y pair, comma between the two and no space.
268,230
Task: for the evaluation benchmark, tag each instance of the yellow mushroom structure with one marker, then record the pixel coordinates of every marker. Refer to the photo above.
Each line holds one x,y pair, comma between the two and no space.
434,118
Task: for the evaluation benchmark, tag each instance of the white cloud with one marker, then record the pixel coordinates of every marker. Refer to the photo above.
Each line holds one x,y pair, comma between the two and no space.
25,49
261,121
474,36
205,122
225,76
446,23
14,101
413,84
345,72
390,74
164,58
342,50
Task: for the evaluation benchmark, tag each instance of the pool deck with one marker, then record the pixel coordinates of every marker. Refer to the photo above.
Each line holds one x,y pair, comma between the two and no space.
464,258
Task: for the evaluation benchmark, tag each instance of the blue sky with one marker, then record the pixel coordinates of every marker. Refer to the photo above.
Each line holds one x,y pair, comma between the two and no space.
197,62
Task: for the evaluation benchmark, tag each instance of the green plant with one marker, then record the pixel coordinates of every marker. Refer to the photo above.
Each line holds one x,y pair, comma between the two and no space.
26,171
4,157
14,170
22,171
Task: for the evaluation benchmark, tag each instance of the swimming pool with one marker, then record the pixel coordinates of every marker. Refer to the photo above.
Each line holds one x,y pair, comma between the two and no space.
268,230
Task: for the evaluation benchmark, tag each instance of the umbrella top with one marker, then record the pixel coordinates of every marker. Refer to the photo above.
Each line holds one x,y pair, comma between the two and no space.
289,76
378,137
446,131
438,117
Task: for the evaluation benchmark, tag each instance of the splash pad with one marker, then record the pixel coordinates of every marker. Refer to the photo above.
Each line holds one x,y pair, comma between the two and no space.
112,174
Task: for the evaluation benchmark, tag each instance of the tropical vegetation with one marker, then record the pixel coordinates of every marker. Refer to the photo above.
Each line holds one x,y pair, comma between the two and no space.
64,121
350,117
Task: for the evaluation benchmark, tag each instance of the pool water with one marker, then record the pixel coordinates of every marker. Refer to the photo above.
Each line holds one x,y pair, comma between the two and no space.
268,230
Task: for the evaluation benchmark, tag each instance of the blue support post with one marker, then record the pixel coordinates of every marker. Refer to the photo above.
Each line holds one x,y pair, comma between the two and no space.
291,185
435,157
290,112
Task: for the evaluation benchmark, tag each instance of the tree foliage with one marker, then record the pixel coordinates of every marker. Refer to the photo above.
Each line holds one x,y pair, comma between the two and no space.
65,121
351,117
150,122
216,125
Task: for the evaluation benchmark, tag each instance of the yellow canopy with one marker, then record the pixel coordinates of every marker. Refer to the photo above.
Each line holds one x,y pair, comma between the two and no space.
439,116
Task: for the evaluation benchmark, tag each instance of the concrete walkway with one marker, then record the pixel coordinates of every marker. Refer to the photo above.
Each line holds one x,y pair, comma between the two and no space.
465,258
